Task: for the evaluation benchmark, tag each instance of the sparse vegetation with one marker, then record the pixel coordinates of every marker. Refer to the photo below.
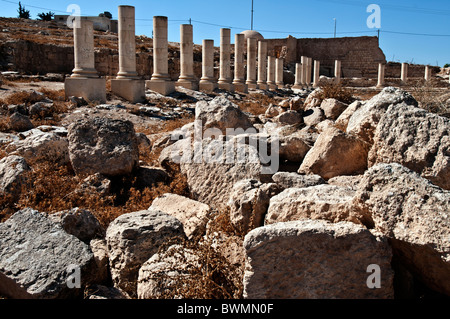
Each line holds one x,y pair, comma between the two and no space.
431,98
336,91
23,13
257,104
46,16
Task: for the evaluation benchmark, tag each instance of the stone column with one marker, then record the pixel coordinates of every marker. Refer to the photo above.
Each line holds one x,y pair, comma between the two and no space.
427,73
404,74
208,82
308,71
262,65
225,60
127,84
160,81
316,74
252,49
187,77
381,69
85,81
279,73
337,71
304,61
271,68
239,64
298,76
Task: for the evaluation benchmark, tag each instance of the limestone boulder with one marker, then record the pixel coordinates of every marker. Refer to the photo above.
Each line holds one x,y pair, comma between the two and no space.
35,258
192,214
344,118
292,147
313,116
19,123
314,99
12,175
102,145
294,180
289,118
328,202
216,166
99,249
134,238
416,139
364,120
333,108
38,145
248,203
315,259
336,153
80,223
414,214
221,114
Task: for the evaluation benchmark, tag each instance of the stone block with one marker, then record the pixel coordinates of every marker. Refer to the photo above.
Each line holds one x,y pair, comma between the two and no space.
131,90
91,89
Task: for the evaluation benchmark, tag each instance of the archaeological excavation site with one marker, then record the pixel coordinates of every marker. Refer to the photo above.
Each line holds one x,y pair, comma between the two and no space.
132,167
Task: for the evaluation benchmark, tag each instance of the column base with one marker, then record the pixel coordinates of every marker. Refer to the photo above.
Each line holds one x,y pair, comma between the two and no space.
226,86
190,85
208,86
271,86
131,90
297,87
240,87
252,85
160,86
280,85
91,89
263,86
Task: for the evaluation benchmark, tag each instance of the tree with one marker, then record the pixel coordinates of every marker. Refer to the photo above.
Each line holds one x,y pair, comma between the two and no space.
46,16
23,13
106,14
447,65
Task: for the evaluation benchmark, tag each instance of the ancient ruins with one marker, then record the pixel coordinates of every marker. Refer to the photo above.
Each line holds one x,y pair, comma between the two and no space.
138,168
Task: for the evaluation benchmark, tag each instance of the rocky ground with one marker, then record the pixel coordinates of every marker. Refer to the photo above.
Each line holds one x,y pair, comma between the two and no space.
355,206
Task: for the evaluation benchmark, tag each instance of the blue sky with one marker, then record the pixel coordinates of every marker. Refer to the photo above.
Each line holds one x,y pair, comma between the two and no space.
423,26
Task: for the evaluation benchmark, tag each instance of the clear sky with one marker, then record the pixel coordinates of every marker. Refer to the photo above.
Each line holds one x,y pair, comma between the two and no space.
415,31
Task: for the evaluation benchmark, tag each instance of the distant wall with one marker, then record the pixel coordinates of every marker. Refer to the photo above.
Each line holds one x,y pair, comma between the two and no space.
359,55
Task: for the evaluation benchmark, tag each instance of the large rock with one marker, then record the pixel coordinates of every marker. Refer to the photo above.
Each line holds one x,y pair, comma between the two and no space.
333,108
416,139
344,118
414,214
133,238
80,223
19,122
293,147
35,255
248,203
103,145
332,203
38,145
313,116
314,99
221,114
289,118
336,153
12,175
212,172
364,120
192,214
314,259
294,180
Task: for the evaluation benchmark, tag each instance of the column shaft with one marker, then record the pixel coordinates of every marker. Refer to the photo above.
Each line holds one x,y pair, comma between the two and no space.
316,73
208,82
404,75
271,67
84,53
127,43
381,69
187,77
262,65
160,49
337,71
298,76
279,73
252,49
239,64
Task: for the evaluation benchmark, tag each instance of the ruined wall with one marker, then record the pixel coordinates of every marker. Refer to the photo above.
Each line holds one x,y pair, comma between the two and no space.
359,55
394,70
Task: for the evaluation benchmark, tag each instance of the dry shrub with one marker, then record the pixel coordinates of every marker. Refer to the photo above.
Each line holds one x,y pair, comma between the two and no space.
430,98
336,91
207,276
23,97
55,95
257,104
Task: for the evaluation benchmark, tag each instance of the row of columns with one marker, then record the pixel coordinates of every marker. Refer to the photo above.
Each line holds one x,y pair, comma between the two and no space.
403,74
85,81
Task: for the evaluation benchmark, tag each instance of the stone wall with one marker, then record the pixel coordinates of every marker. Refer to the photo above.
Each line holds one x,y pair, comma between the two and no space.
359,55
394,70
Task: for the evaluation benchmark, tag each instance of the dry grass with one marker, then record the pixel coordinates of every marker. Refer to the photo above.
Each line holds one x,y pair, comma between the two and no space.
431,98
207,276
336,91
257,104
23,97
